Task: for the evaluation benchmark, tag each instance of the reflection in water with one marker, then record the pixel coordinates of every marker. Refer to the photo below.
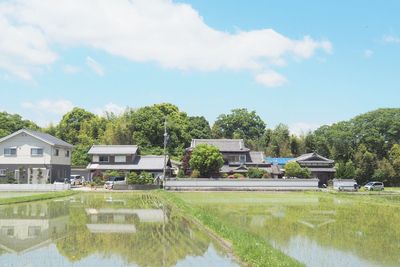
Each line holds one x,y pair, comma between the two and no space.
93,230
328,232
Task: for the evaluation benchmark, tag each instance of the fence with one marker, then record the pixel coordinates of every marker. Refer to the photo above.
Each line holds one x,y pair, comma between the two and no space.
34,187
241,185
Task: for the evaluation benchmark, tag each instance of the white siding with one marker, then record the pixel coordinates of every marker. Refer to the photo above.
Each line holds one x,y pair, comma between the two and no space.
61,159
24,142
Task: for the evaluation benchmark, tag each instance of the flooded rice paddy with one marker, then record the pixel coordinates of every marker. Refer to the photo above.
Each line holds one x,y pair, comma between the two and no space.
104,230
315,229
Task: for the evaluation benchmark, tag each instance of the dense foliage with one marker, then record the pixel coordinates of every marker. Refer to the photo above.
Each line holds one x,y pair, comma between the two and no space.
293,169
206,159
10,123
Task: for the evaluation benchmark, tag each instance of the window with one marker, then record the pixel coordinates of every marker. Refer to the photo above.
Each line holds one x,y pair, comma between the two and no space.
7,230
56,152
67,153
10,151
36,152
103,159
3,172
242,158
120,159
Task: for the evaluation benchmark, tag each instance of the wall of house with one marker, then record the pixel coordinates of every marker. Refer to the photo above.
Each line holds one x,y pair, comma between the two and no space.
61,159
111,159
24,143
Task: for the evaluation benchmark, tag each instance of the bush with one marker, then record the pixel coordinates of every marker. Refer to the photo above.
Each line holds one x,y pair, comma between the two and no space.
238,175
255,173
206,159
98,180
109,174
267,175
180,174
195,174
142,178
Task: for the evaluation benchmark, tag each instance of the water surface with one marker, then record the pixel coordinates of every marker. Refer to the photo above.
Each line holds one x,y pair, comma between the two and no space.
104,230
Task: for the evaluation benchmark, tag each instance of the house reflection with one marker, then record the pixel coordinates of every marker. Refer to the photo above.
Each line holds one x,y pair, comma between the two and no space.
106,220
29,226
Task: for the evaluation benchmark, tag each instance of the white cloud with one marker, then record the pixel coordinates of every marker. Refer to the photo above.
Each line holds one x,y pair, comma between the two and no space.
171,34
368,53
95,66
391,39
300,128
71,69
271,79
59,107
110,108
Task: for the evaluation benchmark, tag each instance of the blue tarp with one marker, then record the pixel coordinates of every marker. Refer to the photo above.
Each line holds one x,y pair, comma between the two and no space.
278,161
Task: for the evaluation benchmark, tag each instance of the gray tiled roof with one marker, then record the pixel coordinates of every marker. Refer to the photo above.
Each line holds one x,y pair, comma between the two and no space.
307,157
224,145
113,150
47,138
146,163
257,157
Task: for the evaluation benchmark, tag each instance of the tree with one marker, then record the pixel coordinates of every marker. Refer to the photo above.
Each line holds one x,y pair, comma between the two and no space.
385,172
366,163
279,145
206,159
345,170
293,169
199,128
69,128
10,123
240,123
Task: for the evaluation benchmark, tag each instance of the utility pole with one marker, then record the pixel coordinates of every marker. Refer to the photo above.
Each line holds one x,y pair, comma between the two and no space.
165,150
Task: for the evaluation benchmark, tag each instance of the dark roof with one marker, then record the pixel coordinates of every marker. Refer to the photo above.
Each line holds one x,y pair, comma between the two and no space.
224,145
113,150
47,138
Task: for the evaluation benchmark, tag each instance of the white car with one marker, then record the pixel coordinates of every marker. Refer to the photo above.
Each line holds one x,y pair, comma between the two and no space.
75,179
113,181
374,186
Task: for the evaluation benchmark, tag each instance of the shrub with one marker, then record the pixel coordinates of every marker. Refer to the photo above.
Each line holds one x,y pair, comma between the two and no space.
206,159
180,174
255,173
195,174
142,178
109,174
266,175
238,175
98,180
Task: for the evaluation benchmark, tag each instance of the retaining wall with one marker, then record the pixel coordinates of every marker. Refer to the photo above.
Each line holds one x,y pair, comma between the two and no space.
241,185
34,187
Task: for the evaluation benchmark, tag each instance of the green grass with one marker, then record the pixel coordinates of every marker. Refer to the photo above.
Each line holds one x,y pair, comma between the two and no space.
250,248
35,197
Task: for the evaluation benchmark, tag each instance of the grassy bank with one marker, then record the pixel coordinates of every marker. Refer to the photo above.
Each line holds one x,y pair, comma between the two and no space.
35,197
250,248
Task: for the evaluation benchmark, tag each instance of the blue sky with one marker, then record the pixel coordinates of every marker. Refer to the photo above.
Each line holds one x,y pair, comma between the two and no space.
302,63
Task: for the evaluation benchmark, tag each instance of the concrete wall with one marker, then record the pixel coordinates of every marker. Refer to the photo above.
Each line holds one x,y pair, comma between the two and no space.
247,184
34,187
344,184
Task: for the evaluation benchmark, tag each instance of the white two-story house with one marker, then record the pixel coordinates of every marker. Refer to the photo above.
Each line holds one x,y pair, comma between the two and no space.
32,157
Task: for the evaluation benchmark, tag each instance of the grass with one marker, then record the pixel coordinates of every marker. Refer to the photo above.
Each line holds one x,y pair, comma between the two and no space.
250,248
35,197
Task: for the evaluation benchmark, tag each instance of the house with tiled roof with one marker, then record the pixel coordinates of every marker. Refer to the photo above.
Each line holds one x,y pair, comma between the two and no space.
237,157
32,157
124,158
319,166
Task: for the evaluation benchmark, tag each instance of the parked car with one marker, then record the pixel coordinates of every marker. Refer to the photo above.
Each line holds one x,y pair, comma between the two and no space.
61,181
75,179
374,186
113,181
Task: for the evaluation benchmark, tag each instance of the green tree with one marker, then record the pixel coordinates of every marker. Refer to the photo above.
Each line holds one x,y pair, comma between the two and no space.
345,170
206,159
385,172
279,145
199,128
366,163
10,123
293,169
240,123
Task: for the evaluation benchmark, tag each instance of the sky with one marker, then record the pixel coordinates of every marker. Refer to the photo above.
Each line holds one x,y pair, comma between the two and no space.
302,63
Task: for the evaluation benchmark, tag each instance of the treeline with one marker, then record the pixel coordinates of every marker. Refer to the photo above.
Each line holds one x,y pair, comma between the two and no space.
365,147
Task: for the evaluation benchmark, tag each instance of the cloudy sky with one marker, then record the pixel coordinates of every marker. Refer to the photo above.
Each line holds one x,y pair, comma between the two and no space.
303,63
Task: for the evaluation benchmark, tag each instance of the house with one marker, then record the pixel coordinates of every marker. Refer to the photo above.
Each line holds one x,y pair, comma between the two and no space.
320,167
237,157
124,158
278,166
32,157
